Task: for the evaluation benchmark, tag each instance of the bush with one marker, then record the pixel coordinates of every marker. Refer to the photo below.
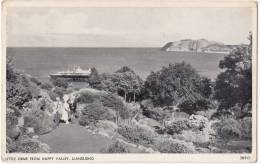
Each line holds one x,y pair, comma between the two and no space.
36,81
230,132
154,113
191,107
86,97
198,122
114,102
174,146
107,100
40,121
170,84
137,133
59,82
86,121
177,127
246,124
29,146
59,91
17,94
46,86
116,147
228,129
193,136
92,113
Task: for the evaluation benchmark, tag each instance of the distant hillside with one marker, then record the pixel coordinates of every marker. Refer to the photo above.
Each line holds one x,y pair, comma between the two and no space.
201,45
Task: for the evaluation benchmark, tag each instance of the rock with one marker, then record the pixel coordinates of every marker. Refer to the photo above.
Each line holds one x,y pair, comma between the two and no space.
201,45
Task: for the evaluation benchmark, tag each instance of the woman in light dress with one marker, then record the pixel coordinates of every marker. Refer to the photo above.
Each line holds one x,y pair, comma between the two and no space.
62,109
66,109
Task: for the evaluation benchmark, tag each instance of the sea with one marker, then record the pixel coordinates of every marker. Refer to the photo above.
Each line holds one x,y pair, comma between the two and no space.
40,62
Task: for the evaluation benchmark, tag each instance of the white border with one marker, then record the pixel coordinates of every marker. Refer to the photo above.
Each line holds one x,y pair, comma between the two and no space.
147,158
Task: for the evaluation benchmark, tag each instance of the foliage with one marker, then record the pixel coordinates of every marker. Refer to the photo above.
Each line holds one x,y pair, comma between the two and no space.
94,112
234,85
228,129
137,133
108,100
36,81
94,79
176,83
114,102
125,83
85,121
198,122
154,113
17,94
29,146
191,107
177,127
194,136
11,73
59,91
40,121
165,145
60,82
246,125
46,86
116,147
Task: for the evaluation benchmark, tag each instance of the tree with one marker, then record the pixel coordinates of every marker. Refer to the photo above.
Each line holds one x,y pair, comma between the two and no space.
176,84
94,79
234,85
125,83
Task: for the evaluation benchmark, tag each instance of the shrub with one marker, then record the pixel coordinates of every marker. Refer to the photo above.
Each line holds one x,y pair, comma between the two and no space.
193,136
116,147
154,113
53,95
46,86
59,91
36,81
191,107
137,133
92,113
30,146
59,82
86,121
246,124
86,97
40,121
168,85
228,128
177,127
108,100
147,103
17,94
174,146
197,122
114,102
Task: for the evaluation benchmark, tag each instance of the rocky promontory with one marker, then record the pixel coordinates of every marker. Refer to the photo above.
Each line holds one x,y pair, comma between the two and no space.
201,45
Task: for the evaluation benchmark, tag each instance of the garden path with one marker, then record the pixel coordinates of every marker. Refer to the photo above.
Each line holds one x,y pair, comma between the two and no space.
73,138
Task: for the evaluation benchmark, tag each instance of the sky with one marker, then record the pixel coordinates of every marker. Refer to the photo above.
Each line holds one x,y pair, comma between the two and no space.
124,27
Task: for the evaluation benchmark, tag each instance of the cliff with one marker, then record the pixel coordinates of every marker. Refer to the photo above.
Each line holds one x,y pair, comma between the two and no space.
201,45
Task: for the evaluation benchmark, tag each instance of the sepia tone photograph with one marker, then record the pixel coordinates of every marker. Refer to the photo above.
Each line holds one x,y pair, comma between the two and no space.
129,79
